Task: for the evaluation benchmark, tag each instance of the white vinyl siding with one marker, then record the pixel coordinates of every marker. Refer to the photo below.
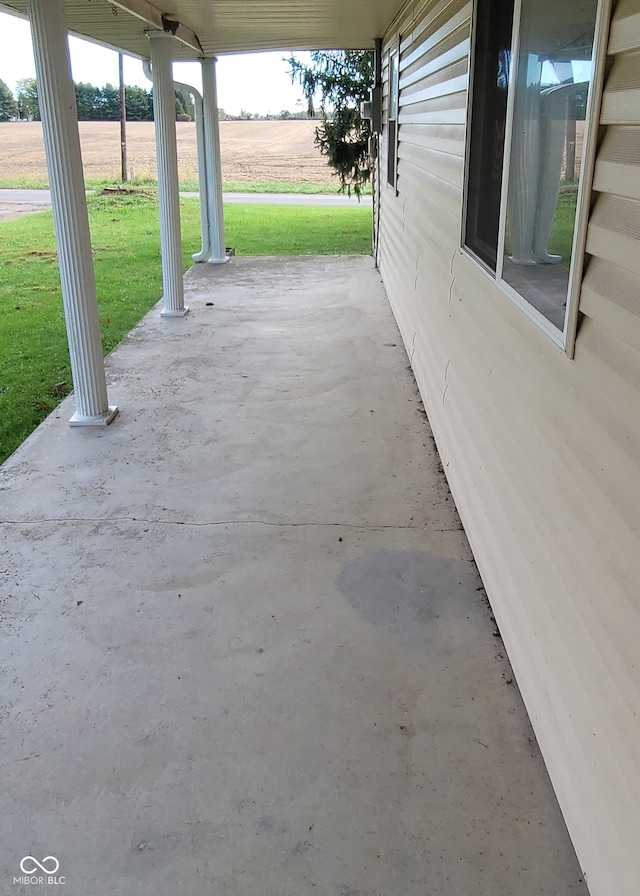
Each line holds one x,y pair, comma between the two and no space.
542,452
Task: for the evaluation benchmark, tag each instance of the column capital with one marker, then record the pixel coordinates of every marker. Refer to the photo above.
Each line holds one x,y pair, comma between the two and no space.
156,35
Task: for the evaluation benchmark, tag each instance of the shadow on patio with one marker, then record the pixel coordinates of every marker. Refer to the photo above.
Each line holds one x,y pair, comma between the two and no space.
246,648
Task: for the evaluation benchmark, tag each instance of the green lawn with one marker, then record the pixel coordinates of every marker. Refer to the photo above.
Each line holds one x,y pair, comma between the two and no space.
561,241
125,236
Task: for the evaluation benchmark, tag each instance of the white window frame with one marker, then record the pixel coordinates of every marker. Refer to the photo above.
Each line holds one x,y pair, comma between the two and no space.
566,337
394,51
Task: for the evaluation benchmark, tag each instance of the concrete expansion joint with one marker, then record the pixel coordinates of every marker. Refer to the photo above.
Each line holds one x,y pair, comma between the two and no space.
363,527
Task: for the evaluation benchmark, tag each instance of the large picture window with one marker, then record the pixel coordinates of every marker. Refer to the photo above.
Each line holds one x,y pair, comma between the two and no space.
531,78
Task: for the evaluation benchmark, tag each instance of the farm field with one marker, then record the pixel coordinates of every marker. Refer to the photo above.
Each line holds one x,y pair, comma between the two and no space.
252,151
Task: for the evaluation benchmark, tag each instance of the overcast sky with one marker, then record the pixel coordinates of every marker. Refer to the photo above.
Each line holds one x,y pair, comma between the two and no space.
256,82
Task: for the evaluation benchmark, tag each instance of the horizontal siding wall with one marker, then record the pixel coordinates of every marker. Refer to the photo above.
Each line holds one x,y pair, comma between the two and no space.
542,452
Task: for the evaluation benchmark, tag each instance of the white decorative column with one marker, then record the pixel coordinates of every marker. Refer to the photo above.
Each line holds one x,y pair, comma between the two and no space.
214,167
164,114
64,164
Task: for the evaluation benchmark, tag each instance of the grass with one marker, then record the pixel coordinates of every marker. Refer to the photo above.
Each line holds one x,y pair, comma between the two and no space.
190,186
301,231
34,362
561,239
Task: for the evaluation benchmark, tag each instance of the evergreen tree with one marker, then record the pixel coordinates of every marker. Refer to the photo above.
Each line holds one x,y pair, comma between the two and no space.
343,79
27,99
108,103
8,105
138,103
86,101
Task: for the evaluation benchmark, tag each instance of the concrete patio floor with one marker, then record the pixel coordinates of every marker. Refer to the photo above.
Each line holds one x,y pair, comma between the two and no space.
245,648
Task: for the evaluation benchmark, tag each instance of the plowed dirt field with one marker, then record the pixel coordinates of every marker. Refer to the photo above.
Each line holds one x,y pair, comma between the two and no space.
281,151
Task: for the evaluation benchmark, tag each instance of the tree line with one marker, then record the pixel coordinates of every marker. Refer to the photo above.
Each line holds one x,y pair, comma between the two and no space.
103,104
94,103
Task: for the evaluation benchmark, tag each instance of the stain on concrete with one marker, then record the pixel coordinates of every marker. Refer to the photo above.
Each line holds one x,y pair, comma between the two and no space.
414,595
295,851
269,824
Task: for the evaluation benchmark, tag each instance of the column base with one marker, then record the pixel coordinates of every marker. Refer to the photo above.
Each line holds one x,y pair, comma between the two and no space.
218,260
174,312
98,420
545,258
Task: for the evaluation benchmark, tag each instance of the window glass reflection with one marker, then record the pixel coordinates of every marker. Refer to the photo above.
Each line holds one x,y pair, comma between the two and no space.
552,75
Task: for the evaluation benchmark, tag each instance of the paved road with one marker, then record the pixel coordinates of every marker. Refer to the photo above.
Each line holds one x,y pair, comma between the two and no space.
16,203
31,197
327,199
42,198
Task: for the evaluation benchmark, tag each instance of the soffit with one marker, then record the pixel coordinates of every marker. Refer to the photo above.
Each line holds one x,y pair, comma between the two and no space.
232,26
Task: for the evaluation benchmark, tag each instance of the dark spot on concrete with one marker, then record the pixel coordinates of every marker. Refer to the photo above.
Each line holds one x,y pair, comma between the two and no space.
408,730
415,595
295,850
269,824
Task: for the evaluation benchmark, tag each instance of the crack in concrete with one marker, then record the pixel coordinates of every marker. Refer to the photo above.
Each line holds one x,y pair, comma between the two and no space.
254,522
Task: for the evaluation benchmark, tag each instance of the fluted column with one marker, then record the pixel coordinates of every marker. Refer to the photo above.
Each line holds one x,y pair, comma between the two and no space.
214,167
164,114
64,163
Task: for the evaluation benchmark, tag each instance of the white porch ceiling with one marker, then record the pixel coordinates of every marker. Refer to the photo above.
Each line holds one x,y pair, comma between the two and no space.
230,26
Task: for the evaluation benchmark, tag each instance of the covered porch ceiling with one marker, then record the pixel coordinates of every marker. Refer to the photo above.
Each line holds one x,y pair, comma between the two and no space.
216,27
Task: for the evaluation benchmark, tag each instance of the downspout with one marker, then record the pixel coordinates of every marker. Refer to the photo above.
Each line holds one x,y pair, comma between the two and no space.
203,254
205,227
